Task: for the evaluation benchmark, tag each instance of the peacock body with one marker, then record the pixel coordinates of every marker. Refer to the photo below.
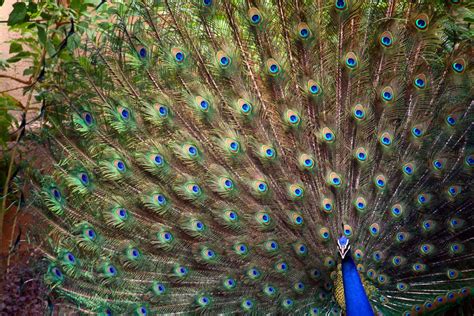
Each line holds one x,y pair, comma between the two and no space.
261,157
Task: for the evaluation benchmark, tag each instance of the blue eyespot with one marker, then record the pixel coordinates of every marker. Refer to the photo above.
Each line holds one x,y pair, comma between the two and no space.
274,68
408,170
142,52
351,62
420,83
336,181
386,41
387,96
386,141
163,111
328,136
265,218
262,187
158,160
416,132
70,257
437,164
179,56
90,233
111,269
359,114
122,213
299,219
199,225
304,33
450,120
125,113
204,105
57,272
270,152
256,18
308,162
167,236
245,108
293,118
458,67
161,199
192,150
340,4
224,61
87,117
314,89
56,194
120,165
420,23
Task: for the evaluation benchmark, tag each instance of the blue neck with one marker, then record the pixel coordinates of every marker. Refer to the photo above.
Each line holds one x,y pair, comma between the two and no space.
357,303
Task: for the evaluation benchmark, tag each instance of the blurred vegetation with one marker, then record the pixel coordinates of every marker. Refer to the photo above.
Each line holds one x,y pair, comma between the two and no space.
49,31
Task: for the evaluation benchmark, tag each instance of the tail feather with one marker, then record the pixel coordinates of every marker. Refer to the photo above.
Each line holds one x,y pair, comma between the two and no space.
211,153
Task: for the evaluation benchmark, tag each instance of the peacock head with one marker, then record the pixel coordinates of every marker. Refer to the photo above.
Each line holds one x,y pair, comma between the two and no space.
343,246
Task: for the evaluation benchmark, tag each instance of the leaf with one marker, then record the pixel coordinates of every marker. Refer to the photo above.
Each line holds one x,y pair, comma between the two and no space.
15,47
41,34
18,15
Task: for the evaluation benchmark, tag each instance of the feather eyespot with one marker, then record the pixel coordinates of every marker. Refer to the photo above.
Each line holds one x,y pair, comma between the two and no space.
387,94
420,81
273,67
374,229
324,233
386,39
180,271
162,110
380,181
408,169
263,218
351,60
254,273
386,139
229,283
421,22
90,234
142,52
56,194
120,165
255,16
361,154
87,118
133,253
178,55
306,162
340,5
450,120
458,65
247,304
157,159
281,267
121,213
358,112
292,118
360,204
124,113
231,216
287,303
160,199
347,230
303,31
327,135
207,3
224,59
313,88
158,288
244,107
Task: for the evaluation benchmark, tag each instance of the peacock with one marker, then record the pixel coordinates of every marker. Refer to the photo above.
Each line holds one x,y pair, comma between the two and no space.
260,157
